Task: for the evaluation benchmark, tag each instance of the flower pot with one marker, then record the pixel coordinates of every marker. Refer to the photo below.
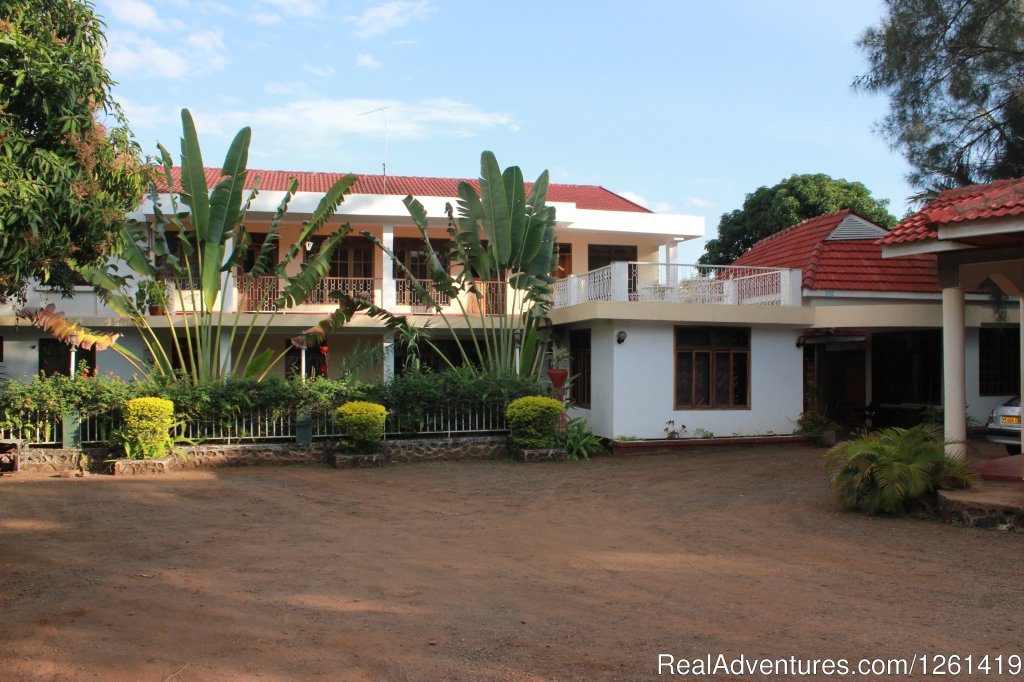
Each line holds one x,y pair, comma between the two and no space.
155,310
558,377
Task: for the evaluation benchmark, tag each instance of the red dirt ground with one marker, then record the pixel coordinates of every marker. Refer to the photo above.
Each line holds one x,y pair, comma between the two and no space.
483,571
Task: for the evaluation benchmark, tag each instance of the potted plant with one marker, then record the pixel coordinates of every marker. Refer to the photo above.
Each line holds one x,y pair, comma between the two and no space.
557,372
152,295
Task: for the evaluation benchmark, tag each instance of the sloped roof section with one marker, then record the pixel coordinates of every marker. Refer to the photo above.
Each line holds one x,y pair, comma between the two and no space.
584,196
839,251
999,199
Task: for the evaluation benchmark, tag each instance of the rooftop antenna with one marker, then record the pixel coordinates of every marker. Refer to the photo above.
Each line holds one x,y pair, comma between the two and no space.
385,164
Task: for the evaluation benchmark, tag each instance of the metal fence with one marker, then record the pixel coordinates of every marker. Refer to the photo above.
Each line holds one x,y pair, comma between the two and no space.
40,429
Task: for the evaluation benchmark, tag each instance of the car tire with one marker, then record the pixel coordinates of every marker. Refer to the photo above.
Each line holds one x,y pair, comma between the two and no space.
1013,449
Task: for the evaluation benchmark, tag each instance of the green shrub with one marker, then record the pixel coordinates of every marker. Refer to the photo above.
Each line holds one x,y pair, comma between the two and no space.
146,432
579,441
888,471
533,421
362,423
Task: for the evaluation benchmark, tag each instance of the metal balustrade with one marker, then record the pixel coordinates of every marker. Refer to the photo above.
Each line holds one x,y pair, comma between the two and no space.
676,283
406,294
40,429
353,286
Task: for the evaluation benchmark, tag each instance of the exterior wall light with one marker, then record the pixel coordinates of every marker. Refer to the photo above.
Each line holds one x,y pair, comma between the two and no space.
620,337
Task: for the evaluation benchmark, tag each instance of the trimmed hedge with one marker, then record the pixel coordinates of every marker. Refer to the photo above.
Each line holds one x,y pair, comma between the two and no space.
146,433
363,423
533,421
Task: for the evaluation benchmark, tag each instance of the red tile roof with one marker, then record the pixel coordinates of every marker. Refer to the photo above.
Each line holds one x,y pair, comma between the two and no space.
841,264
977,202
584,196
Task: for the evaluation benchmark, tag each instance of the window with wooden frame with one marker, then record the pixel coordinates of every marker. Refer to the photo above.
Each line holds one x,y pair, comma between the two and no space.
712,369
579,367
352,258
998,361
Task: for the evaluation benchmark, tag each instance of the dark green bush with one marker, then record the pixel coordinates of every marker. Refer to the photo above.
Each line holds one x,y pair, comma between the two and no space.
362,423
533,421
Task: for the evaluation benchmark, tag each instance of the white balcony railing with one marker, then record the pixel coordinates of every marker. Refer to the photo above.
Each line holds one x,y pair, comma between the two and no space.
675,283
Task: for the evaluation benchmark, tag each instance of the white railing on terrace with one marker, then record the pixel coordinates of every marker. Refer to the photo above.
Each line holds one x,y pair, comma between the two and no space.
675,283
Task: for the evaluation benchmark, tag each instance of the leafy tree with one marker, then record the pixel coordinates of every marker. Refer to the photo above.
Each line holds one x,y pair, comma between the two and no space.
66,182
954,73
799,197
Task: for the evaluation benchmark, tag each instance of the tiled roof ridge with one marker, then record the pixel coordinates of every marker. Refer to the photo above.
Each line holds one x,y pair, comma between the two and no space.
802,223
585,196
812,263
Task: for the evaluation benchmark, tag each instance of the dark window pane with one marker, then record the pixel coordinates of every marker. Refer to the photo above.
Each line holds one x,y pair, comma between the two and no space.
722,383
701,379
727,337
740,379
693,337
579,367
684,379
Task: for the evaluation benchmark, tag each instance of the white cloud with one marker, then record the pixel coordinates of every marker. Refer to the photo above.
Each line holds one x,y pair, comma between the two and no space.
264,18
131,53
209,47
367,61
380,19
298,8
284,88
136,13
698,202
315,123
656,206
319,71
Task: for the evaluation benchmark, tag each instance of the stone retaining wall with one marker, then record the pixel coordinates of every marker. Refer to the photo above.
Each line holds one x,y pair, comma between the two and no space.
978,514
57,461
435,449
215,456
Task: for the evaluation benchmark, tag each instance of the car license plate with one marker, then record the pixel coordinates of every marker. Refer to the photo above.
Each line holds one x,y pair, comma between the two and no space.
1010,420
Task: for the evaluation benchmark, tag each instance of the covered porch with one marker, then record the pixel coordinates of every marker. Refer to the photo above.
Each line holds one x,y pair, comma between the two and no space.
977,233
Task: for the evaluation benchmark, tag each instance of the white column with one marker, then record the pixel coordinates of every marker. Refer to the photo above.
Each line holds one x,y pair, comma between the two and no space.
389,356
672,267
620,281
954,399
387,275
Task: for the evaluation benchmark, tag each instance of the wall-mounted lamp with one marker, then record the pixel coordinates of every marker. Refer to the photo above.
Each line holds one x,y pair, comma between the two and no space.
309,245
620,337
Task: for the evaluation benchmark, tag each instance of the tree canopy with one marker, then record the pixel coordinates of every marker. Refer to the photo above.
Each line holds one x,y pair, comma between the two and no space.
954,73
799,197
66,181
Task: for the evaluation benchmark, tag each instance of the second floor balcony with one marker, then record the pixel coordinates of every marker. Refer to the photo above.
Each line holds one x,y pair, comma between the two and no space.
677,283
260,294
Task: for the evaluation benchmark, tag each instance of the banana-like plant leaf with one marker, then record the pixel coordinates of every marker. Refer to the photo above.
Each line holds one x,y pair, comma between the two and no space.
327,207
195,192
226,200
259,364
59,327
497,220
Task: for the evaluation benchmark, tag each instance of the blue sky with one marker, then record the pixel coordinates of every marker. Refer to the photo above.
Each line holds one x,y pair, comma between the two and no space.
685,106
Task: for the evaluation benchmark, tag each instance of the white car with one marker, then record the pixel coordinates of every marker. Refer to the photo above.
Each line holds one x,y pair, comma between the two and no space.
1004,426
